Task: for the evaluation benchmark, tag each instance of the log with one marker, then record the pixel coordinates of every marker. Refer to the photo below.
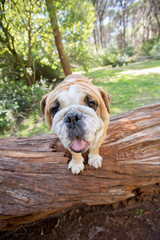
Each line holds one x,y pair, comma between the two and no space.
35,181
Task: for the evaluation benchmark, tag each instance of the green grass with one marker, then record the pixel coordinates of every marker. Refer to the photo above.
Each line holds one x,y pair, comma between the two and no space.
32,126
139,212
127,91
144,64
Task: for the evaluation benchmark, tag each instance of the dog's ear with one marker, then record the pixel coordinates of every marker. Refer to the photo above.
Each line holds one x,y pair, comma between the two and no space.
43,103
106,98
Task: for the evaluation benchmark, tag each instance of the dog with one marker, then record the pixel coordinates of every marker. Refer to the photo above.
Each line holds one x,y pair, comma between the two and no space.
77,112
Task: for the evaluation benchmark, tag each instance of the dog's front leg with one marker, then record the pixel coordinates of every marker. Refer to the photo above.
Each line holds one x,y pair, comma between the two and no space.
76,164
94,159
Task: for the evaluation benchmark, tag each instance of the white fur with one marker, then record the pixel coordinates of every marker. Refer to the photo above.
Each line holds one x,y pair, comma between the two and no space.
95,160
76,167
91,124
70,80
72,96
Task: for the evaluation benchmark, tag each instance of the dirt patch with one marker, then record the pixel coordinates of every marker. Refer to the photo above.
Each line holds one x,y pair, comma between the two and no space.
134,219
145,71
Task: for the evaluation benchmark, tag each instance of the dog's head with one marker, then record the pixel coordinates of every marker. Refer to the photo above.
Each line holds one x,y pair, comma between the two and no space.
77,112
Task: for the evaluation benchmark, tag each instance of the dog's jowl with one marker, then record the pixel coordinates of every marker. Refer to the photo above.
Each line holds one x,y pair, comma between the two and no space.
77,112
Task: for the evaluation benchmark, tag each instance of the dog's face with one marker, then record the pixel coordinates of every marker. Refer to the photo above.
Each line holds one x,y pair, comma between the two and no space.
76,111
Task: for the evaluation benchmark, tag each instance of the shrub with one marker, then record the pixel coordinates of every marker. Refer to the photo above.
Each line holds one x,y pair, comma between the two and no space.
113,56
130,51
81,55
108,58
146,47
48,71
156,49
17,100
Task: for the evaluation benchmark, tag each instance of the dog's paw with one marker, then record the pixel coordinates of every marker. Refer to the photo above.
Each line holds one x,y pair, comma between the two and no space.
95,160
76,168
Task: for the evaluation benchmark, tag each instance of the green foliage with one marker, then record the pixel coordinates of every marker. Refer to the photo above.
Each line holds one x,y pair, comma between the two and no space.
146,47
47,70
8,66
108,57
139,212
113,56
130,51
17,101
78,56
29,24
156,49
77,22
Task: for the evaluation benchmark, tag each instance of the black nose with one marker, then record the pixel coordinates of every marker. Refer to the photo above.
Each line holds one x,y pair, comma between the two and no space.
72,119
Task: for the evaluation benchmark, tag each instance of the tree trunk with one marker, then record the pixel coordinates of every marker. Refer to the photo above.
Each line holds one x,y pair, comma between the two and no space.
158,23
35,181
101,32
123,6
155,7
95,38
27,77
57,35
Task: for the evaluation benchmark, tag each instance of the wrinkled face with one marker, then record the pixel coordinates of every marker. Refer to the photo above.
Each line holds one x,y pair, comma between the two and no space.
75,117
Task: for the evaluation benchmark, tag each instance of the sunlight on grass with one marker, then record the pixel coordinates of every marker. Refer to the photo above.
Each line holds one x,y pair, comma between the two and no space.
34,125
129,91
142,71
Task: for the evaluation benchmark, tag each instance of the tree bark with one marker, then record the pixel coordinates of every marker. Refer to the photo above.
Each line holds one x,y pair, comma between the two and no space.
58,40
35,181
123,7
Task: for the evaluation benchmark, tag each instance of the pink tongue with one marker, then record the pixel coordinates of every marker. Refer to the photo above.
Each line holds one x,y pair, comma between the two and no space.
78,144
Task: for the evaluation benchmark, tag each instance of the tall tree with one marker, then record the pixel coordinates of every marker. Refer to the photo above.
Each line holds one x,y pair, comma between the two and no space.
125,23
16,27
57,35
76,19
155,8
101,11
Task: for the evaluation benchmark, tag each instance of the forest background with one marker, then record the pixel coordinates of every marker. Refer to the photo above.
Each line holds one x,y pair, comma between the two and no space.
43,41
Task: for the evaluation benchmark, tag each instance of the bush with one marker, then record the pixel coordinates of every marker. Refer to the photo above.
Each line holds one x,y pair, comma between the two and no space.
108,58
113,56
18,100
81,55
46,71
146,47
130,51
156,49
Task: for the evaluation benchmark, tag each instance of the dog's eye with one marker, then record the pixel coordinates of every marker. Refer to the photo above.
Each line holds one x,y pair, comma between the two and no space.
92,104
54,110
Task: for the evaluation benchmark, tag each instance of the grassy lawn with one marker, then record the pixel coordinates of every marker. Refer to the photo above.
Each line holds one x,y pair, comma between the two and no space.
130,87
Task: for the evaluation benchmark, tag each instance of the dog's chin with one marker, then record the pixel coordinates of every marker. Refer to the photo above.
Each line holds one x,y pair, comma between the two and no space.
79,151
79,145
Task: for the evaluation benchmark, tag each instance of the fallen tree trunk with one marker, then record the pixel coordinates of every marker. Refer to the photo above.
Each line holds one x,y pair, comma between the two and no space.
35,181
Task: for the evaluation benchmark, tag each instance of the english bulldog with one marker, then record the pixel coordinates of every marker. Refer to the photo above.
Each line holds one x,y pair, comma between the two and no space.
77,112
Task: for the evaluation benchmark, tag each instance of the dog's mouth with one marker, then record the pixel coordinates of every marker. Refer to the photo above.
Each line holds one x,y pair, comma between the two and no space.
79,145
